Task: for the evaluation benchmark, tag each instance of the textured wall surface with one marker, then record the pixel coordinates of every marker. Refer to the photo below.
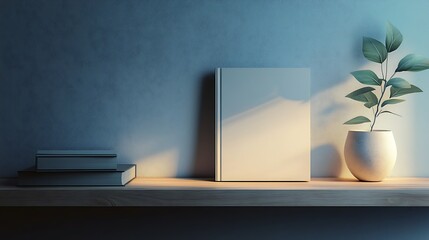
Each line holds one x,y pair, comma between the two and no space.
137,76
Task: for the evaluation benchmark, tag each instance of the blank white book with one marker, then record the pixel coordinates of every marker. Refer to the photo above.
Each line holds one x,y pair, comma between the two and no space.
262,124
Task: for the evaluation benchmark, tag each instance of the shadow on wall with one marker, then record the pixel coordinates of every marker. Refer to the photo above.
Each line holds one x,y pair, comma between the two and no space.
330,109
332,163
204,153
161,154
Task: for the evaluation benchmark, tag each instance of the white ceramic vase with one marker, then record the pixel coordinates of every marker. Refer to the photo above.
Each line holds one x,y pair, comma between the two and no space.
370,156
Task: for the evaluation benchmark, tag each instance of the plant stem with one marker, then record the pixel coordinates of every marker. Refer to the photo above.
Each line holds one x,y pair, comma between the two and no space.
392,75
383,88
378,105
387,62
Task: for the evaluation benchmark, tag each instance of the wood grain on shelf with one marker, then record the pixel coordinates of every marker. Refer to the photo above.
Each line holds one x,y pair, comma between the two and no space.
204,192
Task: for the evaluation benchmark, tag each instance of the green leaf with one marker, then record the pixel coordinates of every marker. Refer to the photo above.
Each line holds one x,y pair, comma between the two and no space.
396,92
390,113
358,95
391,101
358,120
372,100
398,83
374,50
412,63
367,77
393,38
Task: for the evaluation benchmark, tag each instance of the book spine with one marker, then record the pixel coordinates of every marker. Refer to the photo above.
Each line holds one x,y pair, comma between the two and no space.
218,131
87,153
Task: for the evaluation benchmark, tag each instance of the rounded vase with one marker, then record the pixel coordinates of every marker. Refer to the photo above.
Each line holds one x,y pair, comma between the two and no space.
370,156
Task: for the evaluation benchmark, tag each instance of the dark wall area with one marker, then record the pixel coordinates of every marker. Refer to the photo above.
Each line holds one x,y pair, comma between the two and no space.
215,223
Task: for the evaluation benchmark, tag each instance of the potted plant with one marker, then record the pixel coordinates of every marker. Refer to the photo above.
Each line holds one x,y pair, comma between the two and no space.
371,155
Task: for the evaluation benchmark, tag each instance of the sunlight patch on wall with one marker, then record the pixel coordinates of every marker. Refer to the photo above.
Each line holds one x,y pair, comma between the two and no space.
162,164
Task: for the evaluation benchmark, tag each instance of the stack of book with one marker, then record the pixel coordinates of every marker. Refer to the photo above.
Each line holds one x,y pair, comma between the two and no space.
77,168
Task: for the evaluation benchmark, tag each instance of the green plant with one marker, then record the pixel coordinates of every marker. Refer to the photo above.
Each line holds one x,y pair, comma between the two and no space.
376,51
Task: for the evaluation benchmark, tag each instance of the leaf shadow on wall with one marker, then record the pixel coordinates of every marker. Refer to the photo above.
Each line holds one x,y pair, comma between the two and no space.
326,157
330,166
329,110
204,153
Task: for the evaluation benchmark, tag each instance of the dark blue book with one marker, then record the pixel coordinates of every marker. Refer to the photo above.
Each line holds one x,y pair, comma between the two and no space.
75,163
120,176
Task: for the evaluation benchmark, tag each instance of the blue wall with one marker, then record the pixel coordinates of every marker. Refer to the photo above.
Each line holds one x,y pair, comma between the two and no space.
136,76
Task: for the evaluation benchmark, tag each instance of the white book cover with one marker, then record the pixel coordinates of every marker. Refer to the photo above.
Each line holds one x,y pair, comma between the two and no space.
262,124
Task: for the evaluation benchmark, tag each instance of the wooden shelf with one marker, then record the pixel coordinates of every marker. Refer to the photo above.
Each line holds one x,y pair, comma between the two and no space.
201,192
